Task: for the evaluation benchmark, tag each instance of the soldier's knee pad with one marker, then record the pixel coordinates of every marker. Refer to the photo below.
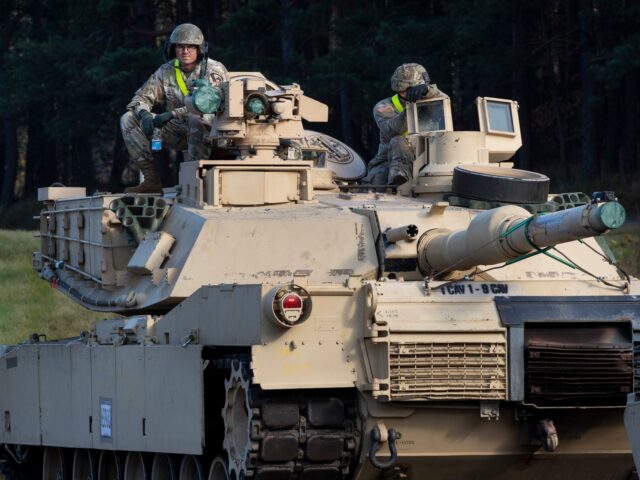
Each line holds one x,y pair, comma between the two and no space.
399,141
401,148
195,122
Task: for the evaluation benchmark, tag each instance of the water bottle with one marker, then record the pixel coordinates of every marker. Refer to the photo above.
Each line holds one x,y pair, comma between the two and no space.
156,140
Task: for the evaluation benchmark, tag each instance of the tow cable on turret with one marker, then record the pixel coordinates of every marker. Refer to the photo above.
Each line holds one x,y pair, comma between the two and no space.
536,250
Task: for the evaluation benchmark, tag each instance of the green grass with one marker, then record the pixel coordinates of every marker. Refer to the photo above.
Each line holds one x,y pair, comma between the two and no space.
626,248
27,303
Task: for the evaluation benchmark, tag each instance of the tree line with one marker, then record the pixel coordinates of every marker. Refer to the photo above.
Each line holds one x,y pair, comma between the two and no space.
69,67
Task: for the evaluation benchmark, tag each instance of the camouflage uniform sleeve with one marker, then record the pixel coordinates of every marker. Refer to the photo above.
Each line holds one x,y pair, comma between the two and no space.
388,120
149,94
217,72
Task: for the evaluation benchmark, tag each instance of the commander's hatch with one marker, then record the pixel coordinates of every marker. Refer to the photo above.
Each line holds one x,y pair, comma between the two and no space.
498,119
439,148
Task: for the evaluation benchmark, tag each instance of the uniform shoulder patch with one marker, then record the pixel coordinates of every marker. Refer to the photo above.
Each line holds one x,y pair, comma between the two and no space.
384,107
216,78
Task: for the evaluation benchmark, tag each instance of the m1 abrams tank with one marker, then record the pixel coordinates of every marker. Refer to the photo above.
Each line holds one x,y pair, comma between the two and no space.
281,324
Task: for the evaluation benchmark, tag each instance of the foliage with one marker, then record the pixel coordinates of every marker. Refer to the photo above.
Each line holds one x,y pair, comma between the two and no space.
20,215
625,247
71,68
27,303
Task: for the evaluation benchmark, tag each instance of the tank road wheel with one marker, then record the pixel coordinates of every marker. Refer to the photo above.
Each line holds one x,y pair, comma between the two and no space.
110,466
53,464
191,468
236,416
163,467
218,470
135,468
84,465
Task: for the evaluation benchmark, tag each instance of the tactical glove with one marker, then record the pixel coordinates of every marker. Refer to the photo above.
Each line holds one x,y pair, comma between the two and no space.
162,118
146,120
416,92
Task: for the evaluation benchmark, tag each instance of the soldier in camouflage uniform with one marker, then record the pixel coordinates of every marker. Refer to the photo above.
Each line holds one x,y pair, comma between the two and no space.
393,164
168,87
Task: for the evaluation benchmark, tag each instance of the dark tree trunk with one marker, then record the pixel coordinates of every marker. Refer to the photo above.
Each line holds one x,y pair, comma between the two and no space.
216,20
610,159
333,19
588,167
520,86
50,168
553,65
35,154
343,91
3,158
204,14
345,114
10,161
120,162
456,89
183,11
630,135
35,168
143,20
82,172
286,35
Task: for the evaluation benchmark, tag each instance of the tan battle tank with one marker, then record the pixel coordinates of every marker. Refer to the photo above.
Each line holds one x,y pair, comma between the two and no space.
281,322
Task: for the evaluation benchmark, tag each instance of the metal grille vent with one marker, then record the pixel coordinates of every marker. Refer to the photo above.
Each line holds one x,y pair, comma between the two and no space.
578,374
447,371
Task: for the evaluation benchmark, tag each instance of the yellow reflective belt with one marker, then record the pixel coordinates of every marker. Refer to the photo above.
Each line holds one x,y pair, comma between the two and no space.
180,80
399,108
396,103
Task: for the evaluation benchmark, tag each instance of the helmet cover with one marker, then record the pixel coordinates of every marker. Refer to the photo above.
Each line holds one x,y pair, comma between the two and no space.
409,75
186,34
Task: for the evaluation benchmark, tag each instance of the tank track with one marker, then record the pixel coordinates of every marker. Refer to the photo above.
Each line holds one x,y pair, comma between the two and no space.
301,435
10,470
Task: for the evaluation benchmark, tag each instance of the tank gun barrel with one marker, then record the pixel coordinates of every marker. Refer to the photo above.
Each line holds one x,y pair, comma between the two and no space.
508,232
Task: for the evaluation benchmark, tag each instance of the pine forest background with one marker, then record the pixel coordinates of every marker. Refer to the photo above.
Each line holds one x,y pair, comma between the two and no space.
69,67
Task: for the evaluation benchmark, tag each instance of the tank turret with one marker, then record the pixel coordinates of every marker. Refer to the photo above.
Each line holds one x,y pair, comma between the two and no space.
258,119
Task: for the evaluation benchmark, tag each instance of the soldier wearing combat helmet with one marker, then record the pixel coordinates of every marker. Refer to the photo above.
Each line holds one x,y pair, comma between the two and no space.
167,88
393,164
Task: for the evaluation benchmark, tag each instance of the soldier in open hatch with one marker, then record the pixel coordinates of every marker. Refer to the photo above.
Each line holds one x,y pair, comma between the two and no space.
167,87
393,164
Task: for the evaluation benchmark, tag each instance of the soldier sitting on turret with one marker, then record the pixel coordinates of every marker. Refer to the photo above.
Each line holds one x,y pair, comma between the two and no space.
393,164
168,86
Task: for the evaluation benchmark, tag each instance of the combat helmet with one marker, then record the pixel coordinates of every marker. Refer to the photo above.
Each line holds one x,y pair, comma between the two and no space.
409,75
185,34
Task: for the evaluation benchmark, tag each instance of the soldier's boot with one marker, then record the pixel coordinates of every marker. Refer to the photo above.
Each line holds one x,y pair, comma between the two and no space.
151,182
399,173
